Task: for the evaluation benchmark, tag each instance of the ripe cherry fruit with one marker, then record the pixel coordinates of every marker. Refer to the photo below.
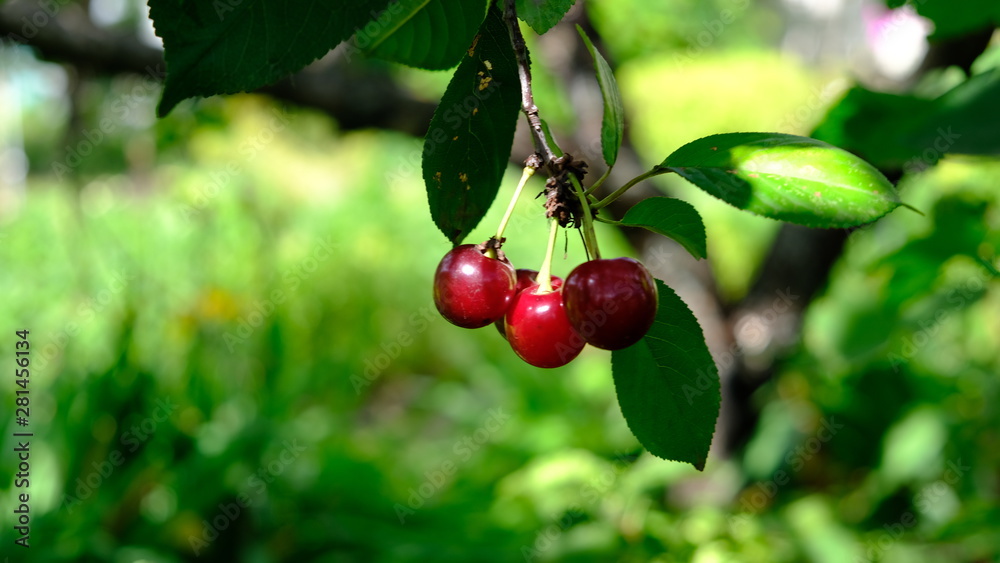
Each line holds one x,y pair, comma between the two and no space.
539,331
526,278
471,289
611,303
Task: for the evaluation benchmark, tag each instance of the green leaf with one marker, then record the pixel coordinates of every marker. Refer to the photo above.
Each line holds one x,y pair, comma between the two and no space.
965,119
786,177
469,139
668,385
429,34
613,124
876,125
227,47
904,132
550,139
541,15
670,217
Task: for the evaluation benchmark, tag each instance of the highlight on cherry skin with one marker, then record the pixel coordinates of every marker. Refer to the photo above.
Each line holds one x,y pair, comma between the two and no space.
471,289
539,331
526,278
611,303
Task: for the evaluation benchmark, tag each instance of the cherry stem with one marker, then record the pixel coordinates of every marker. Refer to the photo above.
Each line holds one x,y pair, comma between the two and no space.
618,193
599,182
527,98
544,277
528,172
589,237
609,221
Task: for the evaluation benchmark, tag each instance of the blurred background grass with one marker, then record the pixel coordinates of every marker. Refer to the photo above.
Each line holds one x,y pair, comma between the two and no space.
235,354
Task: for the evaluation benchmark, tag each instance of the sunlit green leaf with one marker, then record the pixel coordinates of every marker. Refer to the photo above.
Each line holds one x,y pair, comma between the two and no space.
786,177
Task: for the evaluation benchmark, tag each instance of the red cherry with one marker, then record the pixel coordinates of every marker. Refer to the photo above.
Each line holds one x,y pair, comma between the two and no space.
525,279
611,303
472,290
539,331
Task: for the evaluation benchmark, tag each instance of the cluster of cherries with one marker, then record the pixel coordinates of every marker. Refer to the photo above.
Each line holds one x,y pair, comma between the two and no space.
608,303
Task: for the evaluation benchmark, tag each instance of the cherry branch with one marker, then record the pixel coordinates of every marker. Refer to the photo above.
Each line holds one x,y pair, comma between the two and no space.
560,168
527,98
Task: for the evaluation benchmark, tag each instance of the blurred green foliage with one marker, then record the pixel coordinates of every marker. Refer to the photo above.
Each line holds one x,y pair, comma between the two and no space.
235,355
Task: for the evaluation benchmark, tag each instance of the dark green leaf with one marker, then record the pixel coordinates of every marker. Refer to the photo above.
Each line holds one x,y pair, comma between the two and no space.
541,15
613,124
878,126
227,47
430,34
670,217
907,133
469,139
550,139
965,119
786,177
668,385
